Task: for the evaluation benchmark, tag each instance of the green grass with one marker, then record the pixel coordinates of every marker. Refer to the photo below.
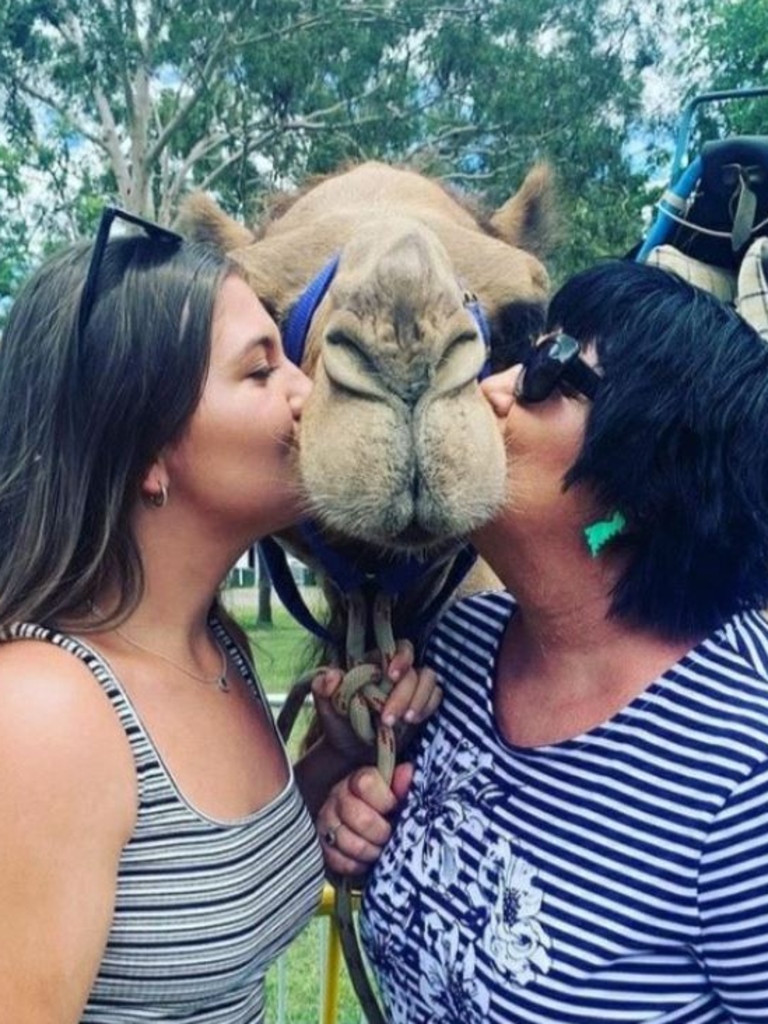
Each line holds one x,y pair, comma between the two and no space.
282,653
303,966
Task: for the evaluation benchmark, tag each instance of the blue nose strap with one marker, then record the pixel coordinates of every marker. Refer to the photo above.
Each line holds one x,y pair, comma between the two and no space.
296,327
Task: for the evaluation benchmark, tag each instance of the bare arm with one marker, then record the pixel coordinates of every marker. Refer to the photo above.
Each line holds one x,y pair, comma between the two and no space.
67,803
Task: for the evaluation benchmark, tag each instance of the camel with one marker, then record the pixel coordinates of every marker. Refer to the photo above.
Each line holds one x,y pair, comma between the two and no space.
394,296
400,455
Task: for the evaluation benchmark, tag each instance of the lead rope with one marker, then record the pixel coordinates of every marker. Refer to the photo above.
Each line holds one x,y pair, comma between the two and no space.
361,696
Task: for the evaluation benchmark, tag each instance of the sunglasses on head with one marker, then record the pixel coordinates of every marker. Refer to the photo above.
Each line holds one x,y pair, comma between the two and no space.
555,362
112,213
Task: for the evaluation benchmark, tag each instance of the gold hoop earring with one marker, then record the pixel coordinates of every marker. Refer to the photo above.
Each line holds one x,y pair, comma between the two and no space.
159,499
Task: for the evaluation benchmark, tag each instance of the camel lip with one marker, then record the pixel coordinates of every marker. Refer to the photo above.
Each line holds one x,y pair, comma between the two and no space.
415,535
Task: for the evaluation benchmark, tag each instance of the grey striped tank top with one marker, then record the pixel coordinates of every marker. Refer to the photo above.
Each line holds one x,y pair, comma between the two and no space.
202,907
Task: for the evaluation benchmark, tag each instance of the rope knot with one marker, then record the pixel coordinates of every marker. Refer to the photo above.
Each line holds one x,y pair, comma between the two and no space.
361,697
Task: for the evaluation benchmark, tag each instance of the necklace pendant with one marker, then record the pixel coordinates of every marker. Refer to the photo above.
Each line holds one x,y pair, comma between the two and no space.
222,684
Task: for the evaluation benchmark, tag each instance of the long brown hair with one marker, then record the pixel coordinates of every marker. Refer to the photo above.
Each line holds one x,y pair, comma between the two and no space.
82,416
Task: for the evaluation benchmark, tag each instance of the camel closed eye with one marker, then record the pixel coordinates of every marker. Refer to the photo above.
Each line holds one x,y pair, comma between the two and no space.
348,366
460,364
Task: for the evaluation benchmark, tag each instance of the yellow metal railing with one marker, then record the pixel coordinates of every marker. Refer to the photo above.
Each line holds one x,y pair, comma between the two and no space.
333,959
330,1004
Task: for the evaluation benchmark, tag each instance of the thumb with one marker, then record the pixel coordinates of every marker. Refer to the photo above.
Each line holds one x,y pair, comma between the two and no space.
401,780
326,682
324,685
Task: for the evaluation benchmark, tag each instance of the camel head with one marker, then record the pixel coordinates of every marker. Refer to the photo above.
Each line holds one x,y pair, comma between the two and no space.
398,447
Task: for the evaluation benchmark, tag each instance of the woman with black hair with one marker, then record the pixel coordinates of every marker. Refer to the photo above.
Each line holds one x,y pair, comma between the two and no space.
156,855
586,835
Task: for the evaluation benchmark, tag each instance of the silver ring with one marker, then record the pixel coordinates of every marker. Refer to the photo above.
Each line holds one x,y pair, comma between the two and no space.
329,836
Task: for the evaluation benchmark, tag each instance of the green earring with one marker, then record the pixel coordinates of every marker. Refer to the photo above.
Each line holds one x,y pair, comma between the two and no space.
604,530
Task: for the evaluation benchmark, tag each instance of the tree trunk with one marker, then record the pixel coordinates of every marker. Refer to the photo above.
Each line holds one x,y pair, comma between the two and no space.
264,617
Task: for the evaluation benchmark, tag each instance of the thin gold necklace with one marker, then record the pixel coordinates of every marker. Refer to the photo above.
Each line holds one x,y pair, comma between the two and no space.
219,680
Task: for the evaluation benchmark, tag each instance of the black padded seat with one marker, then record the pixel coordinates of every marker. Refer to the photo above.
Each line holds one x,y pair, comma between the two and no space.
728,166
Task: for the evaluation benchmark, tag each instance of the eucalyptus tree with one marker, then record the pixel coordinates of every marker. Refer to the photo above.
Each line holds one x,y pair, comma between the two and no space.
141,100
141,96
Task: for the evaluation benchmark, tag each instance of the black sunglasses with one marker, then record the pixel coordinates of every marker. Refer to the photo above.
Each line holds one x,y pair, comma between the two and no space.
555,363
112,213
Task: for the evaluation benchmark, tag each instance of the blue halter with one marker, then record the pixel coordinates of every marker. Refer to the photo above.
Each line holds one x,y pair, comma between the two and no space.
296,327
393,576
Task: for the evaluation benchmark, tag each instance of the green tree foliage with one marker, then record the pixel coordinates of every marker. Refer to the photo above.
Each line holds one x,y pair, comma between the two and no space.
13,228
142,100
730,38
726,49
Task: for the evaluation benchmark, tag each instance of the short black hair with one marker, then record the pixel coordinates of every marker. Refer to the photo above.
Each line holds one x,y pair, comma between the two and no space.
677,439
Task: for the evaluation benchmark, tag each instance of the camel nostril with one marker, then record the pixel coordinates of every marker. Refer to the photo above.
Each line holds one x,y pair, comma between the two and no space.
413,393
417,384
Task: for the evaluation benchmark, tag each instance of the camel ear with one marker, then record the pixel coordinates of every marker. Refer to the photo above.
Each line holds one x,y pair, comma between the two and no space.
529,218
276,268
201,219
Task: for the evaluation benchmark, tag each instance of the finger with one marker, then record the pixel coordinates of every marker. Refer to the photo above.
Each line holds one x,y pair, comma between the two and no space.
344,841
366,785
401,661
415,698
433,703
339,864
399,700
352,826
361,833
352,835
401,780
360,797
425,699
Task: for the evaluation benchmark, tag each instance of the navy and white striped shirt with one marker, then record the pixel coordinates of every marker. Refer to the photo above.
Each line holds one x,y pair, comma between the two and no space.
202,907
619,876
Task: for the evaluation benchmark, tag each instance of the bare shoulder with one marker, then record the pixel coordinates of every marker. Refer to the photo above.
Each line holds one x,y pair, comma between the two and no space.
68,806
59,732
